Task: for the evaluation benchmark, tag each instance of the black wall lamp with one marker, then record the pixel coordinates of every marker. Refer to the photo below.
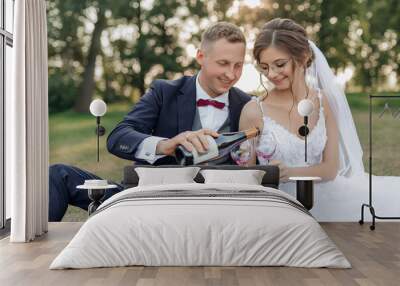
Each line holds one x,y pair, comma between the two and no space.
305,108
98,108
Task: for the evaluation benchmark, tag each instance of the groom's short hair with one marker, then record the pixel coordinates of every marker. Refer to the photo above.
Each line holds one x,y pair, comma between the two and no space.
222,30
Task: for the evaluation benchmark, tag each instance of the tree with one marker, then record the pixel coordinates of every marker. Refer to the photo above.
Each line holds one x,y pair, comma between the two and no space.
64,20
152,48
87,86
358,33
376,52
156,49
220,9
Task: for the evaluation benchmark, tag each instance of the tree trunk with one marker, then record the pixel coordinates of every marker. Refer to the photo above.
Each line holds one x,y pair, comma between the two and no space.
87,87
141,52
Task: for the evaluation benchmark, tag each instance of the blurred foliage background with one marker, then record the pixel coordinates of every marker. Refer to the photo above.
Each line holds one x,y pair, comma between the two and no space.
113,49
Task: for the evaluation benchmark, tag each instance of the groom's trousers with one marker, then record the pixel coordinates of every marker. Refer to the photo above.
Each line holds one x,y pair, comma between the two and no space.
63,180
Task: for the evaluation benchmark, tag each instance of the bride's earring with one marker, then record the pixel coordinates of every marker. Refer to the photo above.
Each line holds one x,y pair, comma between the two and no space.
265,88
311,77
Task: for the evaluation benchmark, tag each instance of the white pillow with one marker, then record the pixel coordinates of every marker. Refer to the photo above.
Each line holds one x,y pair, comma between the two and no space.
248,177
165,176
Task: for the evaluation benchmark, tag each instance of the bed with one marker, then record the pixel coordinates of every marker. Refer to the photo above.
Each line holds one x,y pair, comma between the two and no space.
201,224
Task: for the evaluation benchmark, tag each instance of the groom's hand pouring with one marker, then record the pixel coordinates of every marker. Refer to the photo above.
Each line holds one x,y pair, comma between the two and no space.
188,139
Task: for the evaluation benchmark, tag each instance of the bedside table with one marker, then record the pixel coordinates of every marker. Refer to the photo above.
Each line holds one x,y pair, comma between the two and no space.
305,190
96,194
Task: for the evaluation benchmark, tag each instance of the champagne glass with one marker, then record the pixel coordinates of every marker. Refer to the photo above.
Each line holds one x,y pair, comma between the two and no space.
242,153
266,149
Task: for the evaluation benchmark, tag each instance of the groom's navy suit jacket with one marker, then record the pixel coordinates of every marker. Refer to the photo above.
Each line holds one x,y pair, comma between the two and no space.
167,109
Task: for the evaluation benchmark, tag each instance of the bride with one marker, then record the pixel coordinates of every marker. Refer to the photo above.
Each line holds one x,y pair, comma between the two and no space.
298,70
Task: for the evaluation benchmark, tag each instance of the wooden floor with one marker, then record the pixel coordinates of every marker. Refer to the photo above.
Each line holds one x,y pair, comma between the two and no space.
374,255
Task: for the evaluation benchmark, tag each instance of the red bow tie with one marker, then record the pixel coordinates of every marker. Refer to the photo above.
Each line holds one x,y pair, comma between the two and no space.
206,102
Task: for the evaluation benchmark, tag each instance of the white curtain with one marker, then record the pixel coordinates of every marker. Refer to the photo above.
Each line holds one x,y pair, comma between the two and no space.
27,124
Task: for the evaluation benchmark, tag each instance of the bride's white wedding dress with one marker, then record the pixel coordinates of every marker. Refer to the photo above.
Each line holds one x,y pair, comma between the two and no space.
336,200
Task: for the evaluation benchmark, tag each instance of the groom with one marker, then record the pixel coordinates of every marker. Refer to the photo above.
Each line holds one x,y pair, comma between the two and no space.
181,111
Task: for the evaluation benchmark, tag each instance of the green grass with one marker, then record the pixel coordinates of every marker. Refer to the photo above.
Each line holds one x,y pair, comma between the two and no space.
73,141
360,101
385,135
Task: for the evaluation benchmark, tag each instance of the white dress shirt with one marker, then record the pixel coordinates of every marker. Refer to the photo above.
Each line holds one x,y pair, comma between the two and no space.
210,117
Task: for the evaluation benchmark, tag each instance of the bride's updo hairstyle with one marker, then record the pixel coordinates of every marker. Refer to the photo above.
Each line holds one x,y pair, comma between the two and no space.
284,34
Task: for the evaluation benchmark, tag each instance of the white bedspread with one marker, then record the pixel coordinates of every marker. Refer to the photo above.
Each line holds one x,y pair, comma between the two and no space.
205,230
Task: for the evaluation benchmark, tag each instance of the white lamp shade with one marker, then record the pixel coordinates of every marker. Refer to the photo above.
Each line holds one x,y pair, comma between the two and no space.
305,107
98,107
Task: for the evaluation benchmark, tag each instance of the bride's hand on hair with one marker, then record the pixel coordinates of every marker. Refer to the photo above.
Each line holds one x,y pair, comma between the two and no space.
283,170
299,83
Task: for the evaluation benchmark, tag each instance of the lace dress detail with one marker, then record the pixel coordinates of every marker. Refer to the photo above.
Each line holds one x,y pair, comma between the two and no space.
278,143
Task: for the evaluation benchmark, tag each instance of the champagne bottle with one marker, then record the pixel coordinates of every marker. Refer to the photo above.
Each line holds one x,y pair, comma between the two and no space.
219,147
